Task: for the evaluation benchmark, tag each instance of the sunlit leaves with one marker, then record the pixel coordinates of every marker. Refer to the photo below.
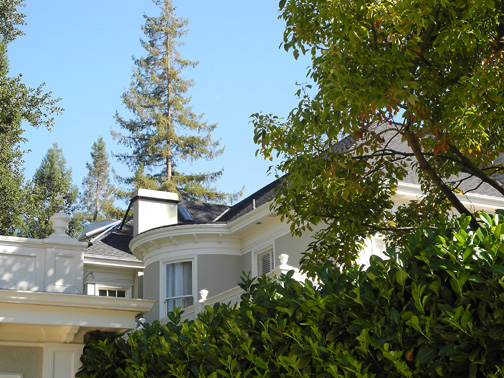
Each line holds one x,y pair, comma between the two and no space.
431,70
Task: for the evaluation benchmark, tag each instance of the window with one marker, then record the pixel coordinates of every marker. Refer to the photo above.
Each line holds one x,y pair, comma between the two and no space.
107,290
112,293
265,262
179,285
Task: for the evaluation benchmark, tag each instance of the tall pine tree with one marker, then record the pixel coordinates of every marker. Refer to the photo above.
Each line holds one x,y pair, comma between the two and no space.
52,192
97,198
165,131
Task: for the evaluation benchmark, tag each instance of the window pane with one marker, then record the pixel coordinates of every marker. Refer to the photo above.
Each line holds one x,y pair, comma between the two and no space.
169,280
179,285
102,293
187,279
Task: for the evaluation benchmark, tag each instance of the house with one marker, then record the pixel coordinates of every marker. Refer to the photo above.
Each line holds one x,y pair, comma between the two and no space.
194,254
186,247
187,254
53,292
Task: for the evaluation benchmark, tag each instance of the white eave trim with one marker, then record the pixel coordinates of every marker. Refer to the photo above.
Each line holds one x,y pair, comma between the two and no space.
113,262
75,301
412,191
178,230
251,217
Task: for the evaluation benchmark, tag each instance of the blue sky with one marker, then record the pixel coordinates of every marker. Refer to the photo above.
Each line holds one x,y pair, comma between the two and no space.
82,50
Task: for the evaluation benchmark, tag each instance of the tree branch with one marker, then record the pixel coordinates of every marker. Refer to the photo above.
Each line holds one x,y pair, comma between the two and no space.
476,171
434,177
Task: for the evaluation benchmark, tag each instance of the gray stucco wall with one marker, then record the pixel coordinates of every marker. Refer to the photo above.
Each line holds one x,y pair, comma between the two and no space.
217,273
151,287
292,246
247,262
18,359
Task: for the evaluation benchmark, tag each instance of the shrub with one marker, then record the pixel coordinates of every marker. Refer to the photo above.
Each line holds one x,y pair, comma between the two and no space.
434,308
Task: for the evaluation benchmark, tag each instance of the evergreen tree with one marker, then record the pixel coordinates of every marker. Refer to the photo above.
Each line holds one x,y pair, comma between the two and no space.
97,199
52,192
165,131
18,104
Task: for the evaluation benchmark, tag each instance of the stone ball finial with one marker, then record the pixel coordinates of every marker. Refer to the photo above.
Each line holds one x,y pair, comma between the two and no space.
59,223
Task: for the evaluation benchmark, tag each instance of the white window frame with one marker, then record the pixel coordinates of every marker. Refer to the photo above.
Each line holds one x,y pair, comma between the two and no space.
107,288
163,292
93,288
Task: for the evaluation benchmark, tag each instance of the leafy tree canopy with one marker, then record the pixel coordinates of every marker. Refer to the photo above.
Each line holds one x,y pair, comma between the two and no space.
165,131
19,105
429,73
433,309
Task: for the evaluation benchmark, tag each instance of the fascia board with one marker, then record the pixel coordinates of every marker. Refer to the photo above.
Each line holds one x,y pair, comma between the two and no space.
478,201
75,301
251,217
113,262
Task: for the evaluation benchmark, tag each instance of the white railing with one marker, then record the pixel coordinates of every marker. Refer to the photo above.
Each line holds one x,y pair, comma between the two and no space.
53,265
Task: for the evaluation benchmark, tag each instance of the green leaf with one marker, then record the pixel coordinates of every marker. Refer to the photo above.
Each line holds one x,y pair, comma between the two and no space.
426,354
401,277
497,269
395,316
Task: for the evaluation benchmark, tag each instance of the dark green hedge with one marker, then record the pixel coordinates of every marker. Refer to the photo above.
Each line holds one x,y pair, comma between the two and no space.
435,308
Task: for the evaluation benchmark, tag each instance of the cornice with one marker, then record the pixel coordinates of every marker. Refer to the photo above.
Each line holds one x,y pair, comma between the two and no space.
178,235
75,301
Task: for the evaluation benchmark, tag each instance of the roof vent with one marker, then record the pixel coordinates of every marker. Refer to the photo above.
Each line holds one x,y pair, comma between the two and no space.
152,209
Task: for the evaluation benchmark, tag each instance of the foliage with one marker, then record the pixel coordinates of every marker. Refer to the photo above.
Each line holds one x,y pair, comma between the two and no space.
52,192
10,18
18,104
97,198
165,132
434,308
436,66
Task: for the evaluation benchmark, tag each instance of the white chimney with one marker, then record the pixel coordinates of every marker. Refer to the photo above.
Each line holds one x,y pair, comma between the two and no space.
152,208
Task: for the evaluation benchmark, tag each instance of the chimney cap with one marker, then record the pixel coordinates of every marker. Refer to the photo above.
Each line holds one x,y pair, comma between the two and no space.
149,194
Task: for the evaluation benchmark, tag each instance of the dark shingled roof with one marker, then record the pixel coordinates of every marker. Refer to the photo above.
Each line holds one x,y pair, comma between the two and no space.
113,245
246,205
203,212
